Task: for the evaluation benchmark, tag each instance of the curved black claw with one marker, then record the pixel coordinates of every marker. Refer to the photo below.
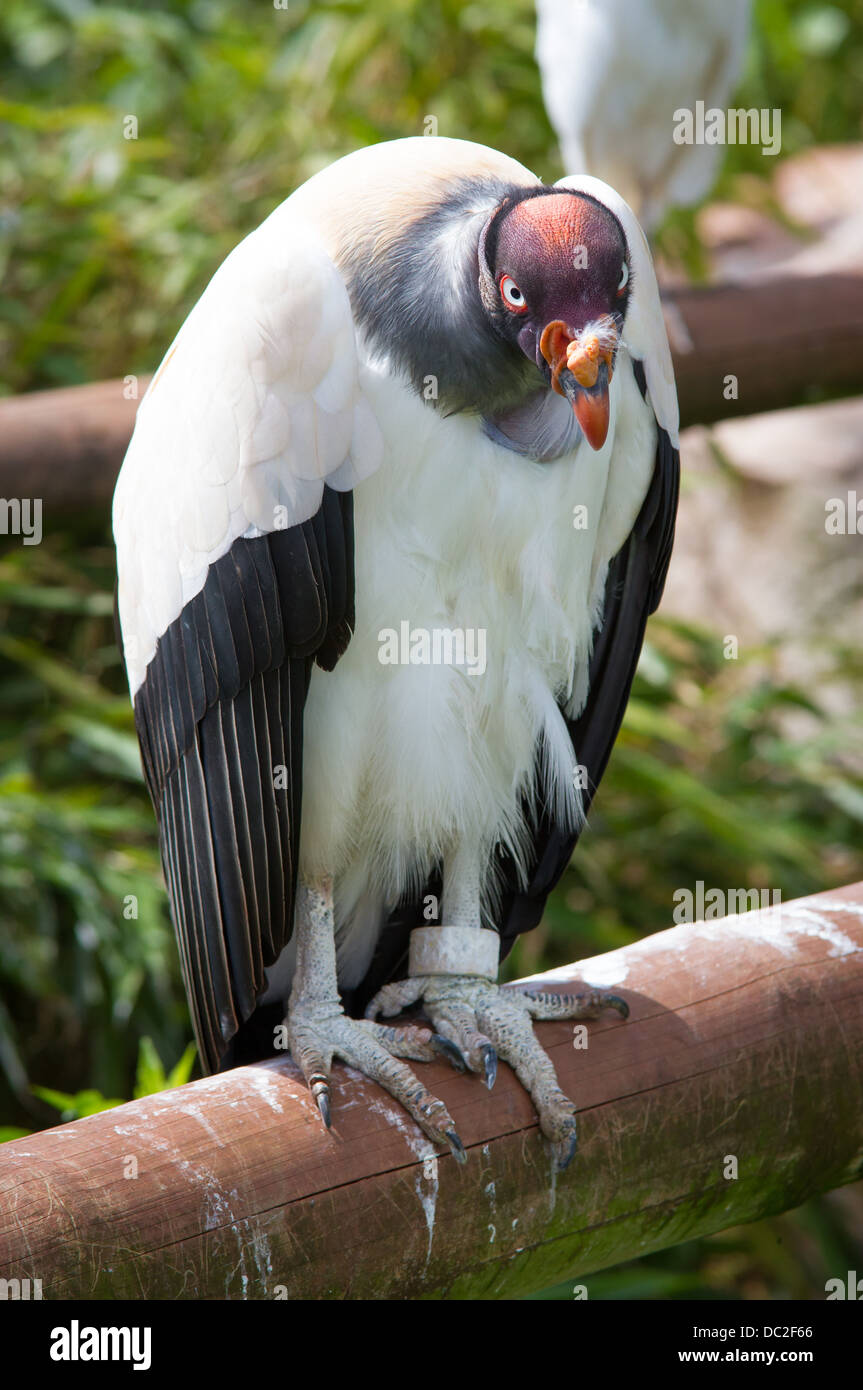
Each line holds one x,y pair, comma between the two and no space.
456,1146
489,1061
448,1049
321,1093
614,1001
566,1155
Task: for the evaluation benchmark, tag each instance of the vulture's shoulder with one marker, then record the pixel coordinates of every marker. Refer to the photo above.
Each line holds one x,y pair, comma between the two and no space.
256,406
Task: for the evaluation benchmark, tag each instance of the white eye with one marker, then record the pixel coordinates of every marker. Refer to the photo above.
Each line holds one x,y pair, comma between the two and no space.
512,295
624,278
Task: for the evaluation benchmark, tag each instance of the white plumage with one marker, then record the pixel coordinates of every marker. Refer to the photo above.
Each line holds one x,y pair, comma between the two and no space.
271,396
265,394
613,74
490,545
255,404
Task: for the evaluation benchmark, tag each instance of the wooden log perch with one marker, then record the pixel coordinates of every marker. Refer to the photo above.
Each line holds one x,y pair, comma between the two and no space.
66,446
745,1043
783,337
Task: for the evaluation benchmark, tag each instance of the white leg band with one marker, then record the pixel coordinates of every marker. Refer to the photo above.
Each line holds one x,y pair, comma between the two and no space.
454,951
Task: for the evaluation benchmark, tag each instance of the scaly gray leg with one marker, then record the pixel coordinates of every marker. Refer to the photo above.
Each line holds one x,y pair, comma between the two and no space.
318,1029
484,1021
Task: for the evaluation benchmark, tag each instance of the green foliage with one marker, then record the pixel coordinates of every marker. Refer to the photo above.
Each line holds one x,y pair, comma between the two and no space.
8,1132
807,60
80,885
150,1078
75,1107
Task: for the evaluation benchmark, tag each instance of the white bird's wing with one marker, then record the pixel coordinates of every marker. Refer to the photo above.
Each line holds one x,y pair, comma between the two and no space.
614,72
255,406
234,532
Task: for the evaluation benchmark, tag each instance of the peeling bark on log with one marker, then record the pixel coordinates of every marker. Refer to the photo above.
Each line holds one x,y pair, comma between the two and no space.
746,1039
786,338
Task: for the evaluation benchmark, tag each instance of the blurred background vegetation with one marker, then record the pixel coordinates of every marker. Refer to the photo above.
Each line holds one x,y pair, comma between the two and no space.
105,243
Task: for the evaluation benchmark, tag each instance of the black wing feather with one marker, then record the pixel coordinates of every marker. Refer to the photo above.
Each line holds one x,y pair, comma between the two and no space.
219,713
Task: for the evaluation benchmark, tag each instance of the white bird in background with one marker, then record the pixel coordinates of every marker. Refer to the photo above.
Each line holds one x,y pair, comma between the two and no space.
613,74
425,410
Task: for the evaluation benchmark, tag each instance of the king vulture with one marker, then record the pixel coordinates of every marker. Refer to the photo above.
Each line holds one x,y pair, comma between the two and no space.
398,503
613,74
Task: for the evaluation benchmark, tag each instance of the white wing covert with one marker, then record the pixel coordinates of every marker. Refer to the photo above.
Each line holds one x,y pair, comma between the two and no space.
257,404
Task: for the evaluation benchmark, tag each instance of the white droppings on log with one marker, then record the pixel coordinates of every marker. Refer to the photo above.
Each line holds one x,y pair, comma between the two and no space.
611,969
608,973
427,1182
428,1196
217,1206
491,1193
833,905
267,1087
261,1254
421,1147
553,1189
777,926
194,1112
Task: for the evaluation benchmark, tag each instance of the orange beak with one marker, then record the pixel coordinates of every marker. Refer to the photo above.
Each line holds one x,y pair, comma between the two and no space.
581,368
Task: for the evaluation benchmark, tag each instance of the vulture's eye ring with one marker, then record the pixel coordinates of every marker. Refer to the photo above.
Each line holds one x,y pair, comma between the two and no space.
624,278
512,295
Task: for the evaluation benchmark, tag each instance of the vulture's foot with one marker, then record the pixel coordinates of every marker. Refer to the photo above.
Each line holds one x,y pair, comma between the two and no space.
486,1021
319,1030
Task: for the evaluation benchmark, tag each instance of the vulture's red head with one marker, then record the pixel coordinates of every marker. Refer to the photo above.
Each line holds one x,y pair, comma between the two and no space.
555,278
501,294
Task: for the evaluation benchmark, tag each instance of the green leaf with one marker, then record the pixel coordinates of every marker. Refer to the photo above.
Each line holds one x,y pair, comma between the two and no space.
8,1132
76,1107
151,1076
180,1073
